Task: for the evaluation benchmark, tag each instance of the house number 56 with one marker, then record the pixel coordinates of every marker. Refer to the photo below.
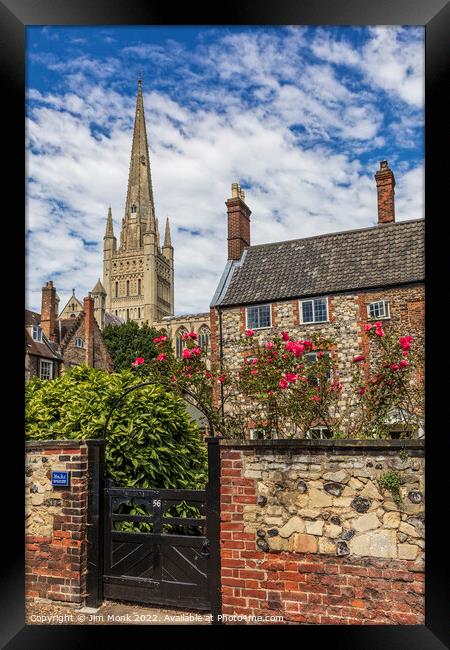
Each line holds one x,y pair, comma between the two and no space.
156,503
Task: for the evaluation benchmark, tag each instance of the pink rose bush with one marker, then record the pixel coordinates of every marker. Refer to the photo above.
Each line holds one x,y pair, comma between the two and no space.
287,385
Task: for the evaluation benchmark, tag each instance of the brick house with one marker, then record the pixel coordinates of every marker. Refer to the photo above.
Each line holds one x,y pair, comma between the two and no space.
334,283
54,343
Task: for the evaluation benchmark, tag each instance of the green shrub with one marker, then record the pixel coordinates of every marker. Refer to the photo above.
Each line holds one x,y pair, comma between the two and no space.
151,440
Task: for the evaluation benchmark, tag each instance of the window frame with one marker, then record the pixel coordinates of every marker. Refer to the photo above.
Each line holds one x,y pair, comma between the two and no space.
79,338
386,306
321,433
39,333
42,362
328,353
311,300
264,327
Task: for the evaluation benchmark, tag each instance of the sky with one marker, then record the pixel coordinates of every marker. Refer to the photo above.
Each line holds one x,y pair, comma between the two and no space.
299,116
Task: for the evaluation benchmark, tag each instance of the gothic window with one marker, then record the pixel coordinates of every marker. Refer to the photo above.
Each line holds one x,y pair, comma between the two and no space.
79,343
139,312
128,287
139,287
204,335
133,208
180,344
128,314
116,312
117,289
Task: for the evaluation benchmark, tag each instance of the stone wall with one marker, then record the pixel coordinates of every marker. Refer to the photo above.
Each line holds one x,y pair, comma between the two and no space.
56,520
307,530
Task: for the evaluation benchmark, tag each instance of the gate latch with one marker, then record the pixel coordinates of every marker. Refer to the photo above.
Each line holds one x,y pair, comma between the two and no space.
205,552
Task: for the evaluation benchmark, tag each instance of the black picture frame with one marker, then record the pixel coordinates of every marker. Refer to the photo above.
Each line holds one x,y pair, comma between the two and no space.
15,16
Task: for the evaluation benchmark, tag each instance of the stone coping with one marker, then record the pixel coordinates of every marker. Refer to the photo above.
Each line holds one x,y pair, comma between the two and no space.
339,444
63,444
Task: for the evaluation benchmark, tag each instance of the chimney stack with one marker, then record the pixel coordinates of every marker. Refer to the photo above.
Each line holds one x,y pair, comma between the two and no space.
238,222
385,188
88,308
48,310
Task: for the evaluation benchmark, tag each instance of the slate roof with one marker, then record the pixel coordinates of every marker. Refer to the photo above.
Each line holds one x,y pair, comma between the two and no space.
46,349
112,319
31,318
379,256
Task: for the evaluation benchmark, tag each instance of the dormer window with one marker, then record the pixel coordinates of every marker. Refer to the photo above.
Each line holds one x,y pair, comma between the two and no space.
79,343
37,333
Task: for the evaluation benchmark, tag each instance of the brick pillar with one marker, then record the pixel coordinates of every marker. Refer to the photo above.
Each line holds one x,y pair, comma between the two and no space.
88,308
48,310
238,222
385,188
56,536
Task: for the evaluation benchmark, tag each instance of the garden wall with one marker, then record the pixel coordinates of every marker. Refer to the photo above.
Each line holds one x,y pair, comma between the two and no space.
308,532
58,543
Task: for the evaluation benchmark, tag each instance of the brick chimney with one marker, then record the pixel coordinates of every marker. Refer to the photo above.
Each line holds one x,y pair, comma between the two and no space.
88,308
48,310
385,188
238,222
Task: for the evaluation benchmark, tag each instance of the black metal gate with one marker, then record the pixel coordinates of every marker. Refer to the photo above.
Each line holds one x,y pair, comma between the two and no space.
161,559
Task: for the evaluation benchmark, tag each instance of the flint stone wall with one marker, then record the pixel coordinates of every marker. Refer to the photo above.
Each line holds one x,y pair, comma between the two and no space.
284,501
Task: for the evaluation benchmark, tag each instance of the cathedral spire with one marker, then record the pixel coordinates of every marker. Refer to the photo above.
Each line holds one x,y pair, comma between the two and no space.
167,239
109,232
139,205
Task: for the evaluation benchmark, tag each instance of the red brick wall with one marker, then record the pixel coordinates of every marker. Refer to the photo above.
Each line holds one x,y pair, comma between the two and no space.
307,587
56,518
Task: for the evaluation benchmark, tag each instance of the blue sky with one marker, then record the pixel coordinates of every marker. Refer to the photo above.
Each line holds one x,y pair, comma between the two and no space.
299,116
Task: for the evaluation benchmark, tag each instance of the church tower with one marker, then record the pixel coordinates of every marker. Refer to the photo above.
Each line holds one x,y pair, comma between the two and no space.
138,275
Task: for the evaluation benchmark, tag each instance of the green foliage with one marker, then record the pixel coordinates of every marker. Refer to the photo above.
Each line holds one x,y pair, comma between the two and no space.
404,454
151,440
391,481
128,341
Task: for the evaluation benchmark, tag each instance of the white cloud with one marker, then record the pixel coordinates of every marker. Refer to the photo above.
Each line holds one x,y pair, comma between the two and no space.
271,123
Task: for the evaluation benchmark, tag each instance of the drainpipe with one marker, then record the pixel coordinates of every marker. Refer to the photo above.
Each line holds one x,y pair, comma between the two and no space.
221,363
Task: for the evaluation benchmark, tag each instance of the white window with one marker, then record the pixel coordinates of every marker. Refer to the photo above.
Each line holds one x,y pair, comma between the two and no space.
257,434
314,311
203,337
79,343
259,317
37,333
378,309
319,433
45,369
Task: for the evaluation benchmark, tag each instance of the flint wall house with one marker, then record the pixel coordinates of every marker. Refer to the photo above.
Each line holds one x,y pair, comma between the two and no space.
334,283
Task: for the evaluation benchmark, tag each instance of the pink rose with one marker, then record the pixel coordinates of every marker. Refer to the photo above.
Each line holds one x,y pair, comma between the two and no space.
221,379
290,377
249,332
315,398
161,357
362,391
358,358
394,366
138,362
187,354
368,327
403,363
320,354
196,351
269,345
285,336
283,383
379,331
253,372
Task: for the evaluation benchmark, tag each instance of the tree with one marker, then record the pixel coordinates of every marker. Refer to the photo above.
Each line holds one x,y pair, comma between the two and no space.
128,341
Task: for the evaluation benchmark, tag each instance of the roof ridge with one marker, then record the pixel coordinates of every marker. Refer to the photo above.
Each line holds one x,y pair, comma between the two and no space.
338,232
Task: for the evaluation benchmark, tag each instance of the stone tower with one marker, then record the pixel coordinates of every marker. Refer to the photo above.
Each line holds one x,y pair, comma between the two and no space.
138,276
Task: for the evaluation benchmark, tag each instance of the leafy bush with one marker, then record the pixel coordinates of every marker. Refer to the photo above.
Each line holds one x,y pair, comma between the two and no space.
151,440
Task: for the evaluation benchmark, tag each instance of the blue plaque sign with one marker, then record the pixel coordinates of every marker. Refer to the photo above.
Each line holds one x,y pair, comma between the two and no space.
60,479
